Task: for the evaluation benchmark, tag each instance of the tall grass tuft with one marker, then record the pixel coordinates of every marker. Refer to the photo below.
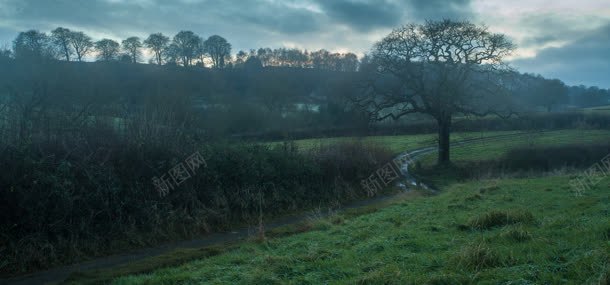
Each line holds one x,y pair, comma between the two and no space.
499,218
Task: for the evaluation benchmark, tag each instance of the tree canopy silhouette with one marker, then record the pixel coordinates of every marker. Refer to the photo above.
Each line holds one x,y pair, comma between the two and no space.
81,43
158,43
218,49
184,47
107,49
62,39
132,47
32,44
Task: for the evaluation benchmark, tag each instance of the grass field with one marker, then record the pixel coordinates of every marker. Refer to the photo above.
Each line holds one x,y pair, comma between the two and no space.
517,231
508,231
474,151
598,109
397,144
489,150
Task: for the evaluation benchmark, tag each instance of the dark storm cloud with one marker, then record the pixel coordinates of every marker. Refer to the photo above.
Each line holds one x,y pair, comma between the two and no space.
585,60
367,15
440,9
95,16
117,17
362,15
274,16
244,23
115,13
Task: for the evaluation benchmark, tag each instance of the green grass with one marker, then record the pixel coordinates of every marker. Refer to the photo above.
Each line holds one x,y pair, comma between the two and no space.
396,144
464,157
510,231
597,109
550,237
489,150
483,150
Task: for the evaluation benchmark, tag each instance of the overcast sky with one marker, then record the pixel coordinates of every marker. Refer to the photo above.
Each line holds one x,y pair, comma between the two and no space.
562,39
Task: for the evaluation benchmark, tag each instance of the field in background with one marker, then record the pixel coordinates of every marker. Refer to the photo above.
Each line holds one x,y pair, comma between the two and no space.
477,151
396,144
598,109
474,151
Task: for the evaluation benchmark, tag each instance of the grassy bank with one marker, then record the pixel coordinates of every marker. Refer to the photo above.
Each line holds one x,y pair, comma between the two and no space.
485,232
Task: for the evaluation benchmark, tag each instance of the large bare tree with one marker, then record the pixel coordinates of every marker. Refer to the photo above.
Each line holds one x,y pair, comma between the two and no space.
440,68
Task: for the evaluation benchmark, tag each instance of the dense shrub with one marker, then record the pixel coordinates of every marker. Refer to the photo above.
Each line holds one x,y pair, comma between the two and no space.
547,158
423,125
59,203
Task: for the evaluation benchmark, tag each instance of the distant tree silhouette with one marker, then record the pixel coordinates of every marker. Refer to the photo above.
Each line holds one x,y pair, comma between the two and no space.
5,53
81,43
132,47
201,53
107,49
125,58
589,97
240,58
32,45
62,38
158,43
264,55
218,49
535,91
184,47
553,92
253,64
320,59
547,93
440,68
348,62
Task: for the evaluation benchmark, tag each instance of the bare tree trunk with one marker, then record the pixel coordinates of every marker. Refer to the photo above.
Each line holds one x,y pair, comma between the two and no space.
444,132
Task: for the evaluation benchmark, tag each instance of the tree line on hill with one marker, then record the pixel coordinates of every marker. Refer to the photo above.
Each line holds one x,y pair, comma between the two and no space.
185,49
251,92
553,94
